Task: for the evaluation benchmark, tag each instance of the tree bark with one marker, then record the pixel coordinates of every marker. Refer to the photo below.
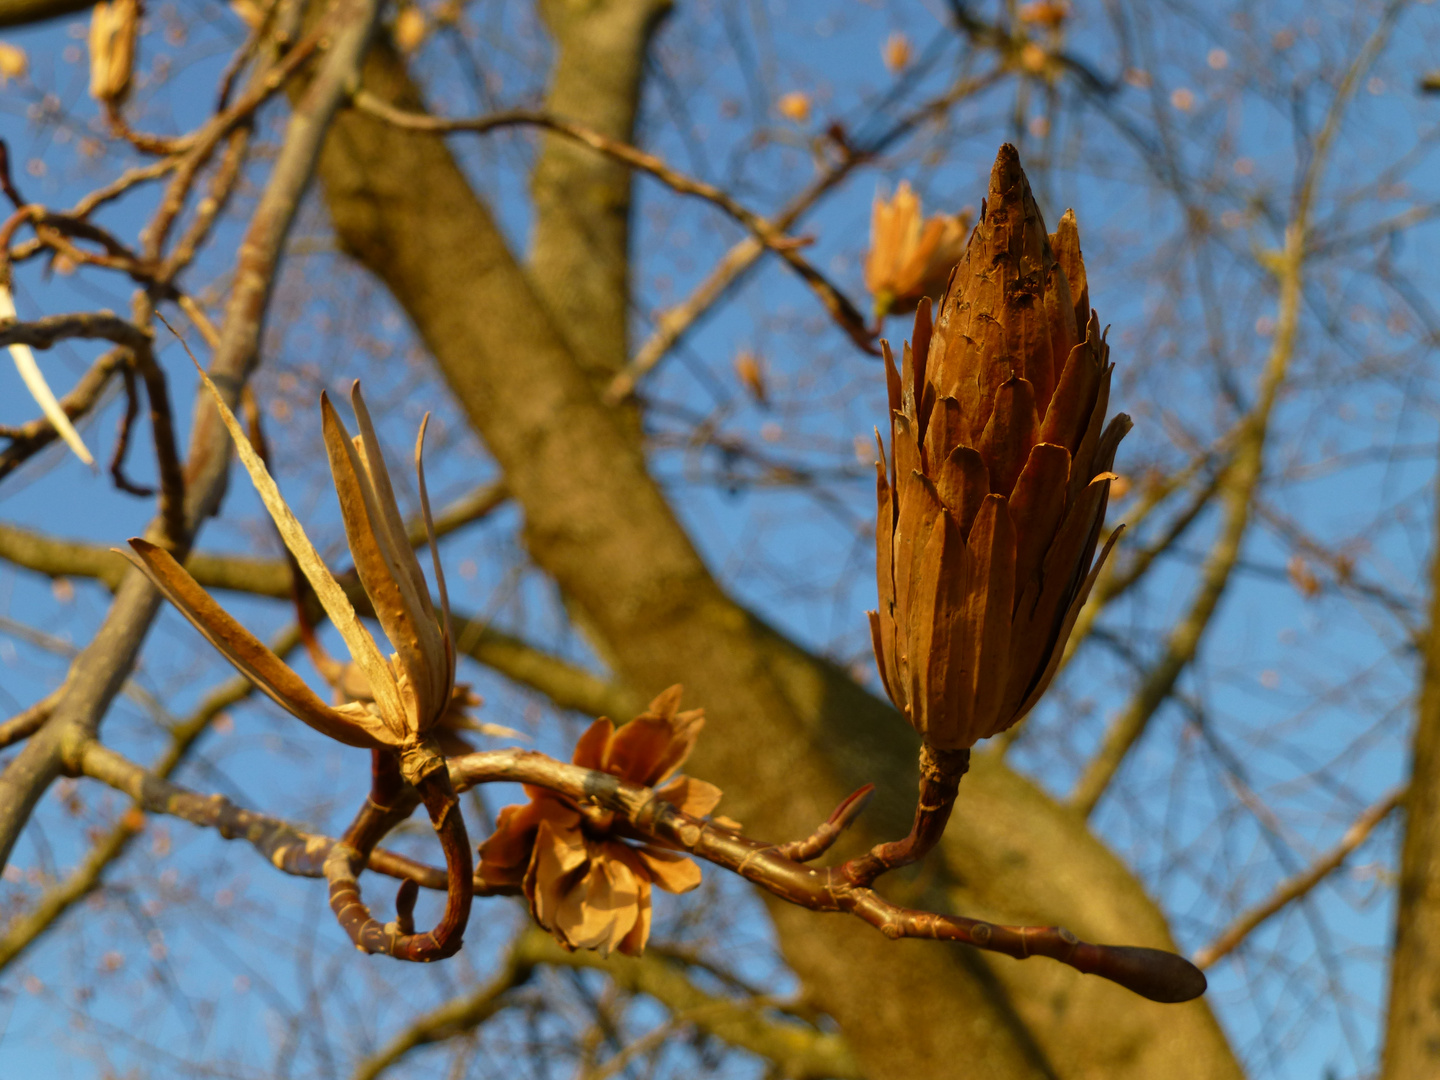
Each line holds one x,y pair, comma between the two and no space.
789,733
580,250
1412,1033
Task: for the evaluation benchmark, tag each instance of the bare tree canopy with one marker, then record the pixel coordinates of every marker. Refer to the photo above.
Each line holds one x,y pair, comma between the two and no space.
666,288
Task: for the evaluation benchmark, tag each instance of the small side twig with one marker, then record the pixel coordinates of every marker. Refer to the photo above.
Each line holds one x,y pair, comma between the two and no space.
122,440
28,721
1287,892
840,307
940,773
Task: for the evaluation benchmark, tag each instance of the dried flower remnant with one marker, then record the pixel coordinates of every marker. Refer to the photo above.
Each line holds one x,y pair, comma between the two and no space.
752,376
586,884
411,691
794,106
14,63
411,28
910,258
896,52
407,696
114,27
1049,13
994,497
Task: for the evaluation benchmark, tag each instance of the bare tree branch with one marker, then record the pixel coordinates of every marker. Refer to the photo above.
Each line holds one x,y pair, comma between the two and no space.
1287,892
103,666
1239,482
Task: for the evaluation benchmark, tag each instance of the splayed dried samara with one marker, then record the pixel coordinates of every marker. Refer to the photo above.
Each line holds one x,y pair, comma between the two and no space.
412,689
993,500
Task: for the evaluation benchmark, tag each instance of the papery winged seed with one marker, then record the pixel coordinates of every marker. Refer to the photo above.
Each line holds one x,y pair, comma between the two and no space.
904,450
948,679
908,402
963,484
1013,429
1085,464
992,552
1074,399
884,622
1036,621
920,337
251,657
446,630
390,525
382,582
882,663
927,640
34,380
893,390
1064,336
331,596
1065,242
919,507
1067,624
884,536
942,433
1037,508
401,556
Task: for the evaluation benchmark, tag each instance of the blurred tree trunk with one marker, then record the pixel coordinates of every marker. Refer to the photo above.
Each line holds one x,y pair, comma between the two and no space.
1412,1035
789,733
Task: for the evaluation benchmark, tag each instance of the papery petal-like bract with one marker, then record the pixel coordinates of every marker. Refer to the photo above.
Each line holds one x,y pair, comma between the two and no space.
404,698
589,888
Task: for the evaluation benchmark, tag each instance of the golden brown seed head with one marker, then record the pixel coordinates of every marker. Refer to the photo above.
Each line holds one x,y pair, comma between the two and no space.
991,507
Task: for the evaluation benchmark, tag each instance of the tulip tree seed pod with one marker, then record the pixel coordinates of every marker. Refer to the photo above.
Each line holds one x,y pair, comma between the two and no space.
993,498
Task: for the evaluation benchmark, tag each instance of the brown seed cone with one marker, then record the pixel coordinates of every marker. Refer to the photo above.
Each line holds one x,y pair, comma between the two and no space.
992,503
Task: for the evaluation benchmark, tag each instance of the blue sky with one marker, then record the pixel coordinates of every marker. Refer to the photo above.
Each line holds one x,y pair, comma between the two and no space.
1309,696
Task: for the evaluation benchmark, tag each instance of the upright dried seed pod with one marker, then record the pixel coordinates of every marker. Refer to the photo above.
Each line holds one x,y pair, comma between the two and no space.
992,502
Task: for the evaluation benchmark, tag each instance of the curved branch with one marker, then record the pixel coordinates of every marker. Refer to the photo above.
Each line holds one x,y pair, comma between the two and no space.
841,309
1152,973
565,684
1287,892
346,858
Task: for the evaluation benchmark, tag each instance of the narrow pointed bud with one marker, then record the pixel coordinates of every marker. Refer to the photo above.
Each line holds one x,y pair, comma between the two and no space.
989,523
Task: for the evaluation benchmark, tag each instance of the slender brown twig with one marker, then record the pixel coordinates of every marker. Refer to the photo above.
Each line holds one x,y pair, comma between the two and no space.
840,307
346,858
940,773
1287,892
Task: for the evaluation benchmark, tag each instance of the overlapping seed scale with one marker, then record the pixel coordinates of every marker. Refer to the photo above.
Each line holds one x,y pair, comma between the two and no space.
941,676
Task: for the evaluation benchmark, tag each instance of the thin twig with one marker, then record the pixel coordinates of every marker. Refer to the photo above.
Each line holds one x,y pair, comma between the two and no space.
28,721
1287,892
841,309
